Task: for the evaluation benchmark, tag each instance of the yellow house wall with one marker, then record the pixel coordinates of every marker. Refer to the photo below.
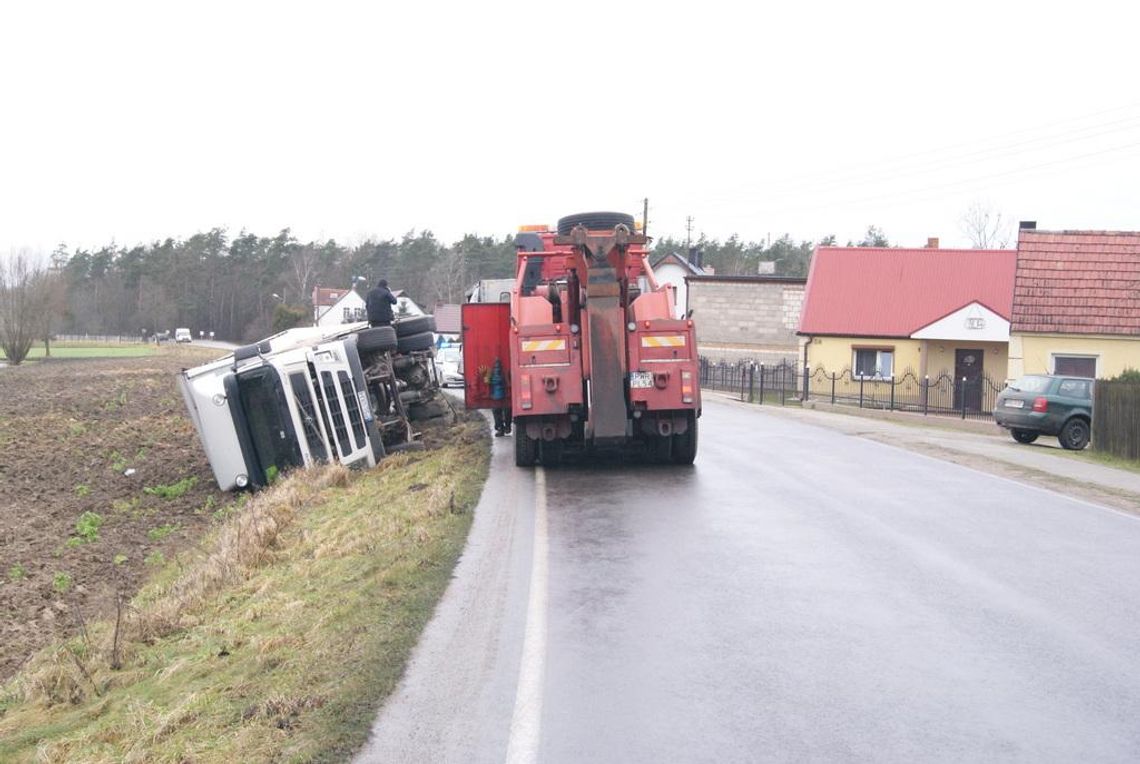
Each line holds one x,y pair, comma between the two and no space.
835,354
1033,353
941,356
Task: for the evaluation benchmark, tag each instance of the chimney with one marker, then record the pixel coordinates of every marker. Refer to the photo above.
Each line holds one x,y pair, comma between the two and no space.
932,242
1027,225
695,256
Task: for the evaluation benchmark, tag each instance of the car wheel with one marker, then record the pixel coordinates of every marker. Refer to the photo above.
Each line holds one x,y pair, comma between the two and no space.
1074,435
1023,436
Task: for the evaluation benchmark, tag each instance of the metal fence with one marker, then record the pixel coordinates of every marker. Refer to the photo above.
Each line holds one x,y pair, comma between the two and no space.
101,338
1116,418
785,382
754,382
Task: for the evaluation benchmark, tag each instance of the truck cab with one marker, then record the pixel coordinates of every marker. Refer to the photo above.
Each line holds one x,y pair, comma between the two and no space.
346,394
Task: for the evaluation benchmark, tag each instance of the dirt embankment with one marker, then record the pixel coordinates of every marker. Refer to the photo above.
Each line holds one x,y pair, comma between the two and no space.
101,479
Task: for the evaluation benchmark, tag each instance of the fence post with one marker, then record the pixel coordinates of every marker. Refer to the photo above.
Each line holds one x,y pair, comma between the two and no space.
833,378
860,392
892,406
963,397
761,384
752,382
926,394
807,379
783,383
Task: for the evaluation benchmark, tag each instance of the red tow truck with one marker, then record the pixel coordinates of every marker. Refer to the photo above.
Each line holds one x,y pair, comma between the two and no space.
594,354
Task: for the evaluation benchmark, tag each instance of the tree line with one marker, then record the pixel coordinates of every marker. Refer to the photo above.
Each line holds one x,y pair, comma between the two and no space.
244,287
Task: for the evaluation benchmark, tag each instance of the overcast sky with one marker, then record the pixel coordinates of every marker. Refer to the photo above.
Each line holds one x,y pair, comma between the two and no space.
137,121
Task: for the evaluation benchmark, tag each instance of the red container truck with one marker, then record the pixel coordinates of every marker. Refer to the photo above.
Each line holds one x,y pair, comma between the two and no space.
594,355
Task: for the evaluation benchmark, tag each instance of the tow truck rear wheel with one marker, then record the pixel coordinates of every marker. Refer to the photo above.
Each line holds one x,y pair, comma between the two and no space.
685,444
526,447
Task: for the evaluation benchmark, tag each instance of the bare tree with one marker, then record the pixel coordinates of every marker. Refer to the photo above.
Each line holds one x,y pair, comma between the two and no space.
984,227
25,304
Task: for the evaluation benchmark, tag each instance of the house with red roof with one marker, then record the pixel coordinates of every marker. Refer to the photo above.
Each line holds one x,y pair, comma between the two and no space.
879,313
1076,303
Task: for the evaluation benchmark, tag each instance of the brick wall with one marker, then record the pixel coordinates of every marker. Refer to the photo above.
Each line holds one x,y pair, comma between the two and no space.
747,318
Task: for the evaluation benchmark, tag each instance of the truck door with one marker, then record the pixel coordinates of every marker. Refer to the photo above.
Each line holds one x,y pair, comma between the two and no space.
343,406
486,338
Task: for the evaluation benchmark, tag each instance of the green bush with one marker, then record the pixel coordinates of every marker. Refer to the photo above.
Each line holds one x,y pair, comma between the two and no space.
1128,375
87,527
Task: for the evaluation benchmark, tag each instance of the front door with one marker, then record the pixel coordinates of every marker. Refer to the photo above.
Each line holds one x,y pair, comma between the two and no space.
968,379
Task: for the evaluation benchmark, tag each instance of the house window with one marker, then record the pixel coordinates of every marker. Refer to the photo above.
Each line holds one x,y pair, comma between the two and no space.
1075,365
873,363
347,315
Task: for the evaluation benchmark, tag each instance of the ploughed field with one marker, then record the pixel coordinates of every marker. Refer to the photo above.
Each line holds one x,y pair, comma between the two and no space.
102,480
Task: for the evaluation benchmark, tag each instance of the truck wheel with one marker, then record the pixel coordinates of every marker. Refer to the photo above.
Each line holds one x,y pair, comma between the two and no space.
376,338
1074,435
413,342
414,325
526,448
1023,436
594,221
685,446
550,452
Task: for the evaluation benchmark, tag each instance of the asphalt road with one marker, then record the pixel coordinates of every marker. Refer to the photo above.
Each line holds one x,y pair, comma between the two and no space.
800,594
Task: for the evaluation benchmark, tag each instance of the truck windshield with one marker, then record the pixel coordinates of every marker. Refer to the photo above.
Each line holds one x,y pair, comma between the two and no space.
267,418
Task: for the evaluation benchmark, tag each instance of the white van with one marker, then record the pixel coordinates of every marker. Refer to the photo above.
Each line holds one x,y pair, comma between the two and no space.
183,335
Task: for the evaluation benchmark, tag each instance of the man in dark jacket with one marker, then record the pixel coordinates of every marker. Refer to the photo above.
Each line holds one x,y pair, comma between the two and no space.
379,302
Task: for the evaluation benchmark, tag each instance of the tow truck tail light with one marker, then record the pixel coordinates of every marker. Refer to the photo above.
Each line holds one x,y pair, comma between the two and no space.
686,387
1040,404
524,391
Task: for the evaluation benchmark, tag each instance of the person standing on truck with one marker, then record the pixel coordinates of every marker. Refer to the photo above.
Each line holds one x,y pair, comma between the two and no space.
502,410
379,303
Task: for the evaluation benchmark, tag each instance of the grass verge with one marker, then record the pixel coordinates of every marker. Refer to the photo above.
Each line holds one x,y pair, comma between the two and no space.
83,350
277,640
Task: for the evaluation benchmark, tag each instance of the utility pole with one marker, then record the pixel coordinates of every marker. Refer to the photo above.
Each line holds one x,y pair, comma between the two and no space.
688,232
645,216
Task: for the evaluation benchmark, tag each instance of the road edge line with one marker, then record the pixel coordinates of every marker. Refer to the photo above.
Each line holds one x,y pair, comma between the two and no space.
526,721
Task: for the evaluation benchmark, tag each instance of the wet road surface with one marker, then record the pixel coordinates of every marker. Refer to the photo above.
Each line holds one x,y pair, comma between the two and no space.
799,594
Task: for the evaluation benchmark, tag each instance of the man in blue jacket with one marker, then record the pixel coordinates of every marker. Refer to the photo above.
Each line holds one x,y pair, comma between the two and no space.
379,303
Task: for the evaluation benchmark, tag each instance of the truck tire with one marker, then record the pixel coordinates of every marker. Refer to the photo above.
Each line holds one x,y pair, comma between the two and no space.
550,452
413,342
414,325
376,338
251,351
594,221
526,447
685,445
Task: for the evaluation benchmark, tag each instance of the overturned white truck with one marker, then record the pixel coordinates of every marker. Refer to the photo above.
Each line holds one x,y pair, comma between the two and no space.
315,394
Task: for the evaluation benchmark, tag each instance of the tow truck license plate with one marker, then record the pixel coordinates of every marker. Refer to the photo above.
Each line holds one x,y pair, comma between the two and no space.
640,379
1014,403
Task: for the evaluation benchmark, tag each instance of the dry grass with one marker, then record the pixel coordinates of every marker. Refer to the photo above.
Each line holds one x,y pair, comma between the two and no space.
278,640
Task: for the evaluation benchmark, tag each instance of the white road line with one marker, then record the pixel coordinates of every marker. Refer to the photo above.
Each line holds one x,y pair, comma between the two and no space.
522,748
